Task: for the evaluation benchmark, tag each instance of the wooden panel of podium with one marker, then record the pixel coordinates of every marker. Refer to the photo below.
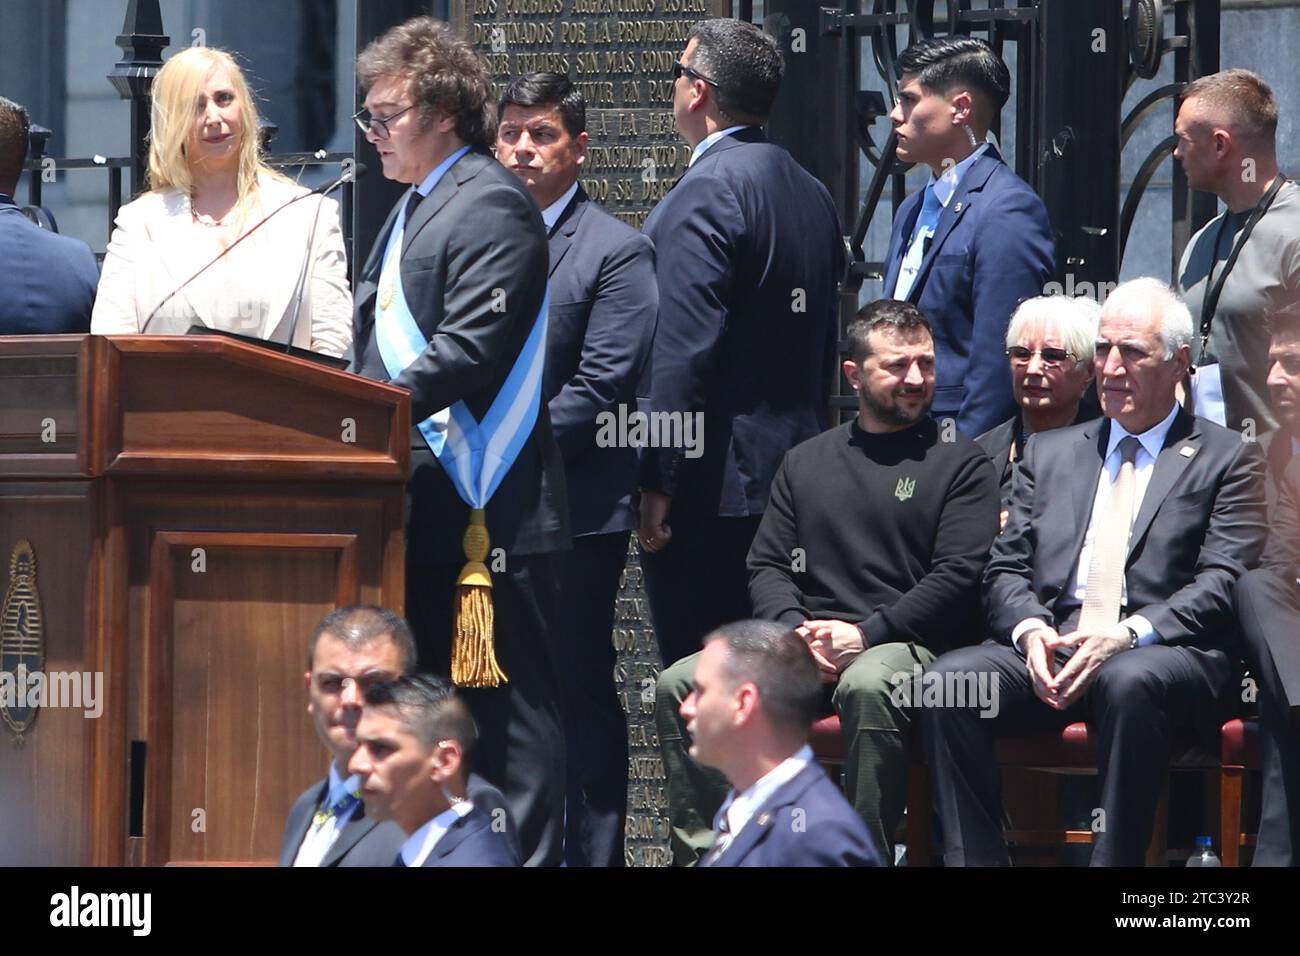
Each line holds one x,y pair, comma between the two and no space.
191,508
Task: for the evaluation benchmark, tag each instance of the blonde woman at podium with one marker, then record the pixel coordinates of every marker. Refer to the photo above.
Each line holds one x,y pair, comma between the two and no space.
195,250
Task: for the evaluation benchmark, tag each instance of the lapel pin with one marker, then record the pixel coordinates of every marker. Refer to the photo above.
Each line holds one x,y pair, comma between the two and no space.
1187,451
957,207
763,818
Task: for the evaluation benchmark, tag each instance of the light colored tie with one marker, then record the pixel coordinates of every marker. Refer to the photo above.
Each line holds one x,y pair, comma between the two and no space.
926,223
720,843
1101,598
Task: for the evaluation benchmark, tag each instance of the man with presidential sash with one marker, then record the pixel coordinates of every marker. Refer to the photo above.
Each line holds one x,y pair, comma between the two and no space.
451,304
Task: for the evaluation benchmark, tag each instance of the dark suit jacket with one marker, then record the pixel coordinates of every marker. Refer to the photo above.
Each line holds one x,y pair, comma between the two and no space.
806,822
47,281
992,249
997,442
749,250
1283,551
367,842
474,273
1201,524
604,302
472,842
363,842
1277,453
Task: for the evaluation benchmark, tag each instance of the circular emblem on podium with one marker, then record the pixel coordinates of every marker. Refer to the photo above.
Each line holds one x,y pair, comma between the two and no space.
22,641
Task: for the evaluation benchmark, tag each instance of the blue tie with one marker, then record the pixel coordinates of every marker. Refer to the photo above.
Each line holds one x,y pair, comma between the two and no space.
926,223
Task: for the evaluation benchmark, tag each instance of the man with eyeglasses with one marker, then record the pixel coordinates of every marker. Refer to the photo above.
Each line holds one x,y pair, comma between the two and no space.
451,305
1049,344
353,650
1108,595
748,253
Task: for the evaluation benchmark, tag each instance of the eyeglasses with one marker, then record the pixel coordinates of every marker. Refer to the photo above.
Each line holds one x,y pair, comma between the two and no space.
1129,354
379,126
1051,357
679,68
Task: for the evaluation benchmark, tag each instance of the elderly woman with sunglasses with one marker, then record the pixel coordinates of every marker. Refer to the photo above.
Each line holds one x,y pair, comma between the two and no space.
1050,345
209,188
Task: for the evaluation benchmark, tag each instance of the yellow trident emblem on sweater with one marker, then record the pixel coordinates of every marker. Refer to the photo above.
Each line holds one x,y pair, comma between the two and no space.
905,488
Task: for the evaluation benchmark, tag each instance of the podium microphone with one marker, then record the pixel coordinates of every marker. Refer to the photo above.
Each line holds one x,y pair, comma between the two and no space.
349,175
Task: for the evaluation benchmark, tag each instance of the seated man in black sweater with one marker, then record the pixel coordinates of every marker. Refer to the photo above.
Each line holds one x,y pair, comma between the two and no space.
872,547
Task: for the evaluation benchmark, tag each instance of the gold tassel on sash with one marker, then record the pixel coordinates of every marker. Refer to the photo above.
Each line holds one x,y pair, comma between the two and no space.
473,650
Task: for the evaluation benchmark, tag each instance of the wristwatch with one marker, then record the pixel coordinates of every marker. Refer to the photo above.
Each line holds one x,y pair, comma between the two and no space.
1132,637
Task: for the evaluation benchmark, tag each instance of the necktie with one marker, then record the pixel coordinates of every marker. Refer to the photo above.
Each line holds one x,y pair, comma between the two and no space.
1101,599
411,203
926,223
399,861
338,809
720,843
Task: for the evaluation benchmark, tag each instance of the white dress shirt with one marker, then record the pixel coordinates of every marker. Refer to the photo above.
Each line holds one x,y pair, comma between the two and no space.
552,213
1152,441
316,844
945,186
739,808
420,844
702,146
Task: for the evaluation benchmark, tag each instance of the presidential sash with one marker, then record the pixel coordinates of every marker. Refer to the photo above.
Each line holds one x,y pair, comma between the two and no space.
475,454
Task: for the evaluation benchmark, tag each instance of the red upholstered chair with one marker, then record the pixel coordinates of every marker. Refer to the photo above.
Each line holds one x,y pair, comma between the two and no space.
1240,752
1072,750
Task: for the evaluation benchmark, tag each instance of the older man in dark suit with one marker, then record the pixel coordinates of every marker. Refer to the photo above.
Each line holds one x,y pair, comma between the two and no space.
414,742
603,303
754,697
451,305
975,242
47,281
1109,593
748,249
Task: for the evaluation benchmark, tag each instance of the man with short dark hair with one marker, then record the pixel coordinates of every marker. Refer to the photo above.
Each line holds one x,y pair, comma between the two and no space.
753,699
871,547
451,305
1245,262
47,281
351,651
975,242
749,250
1268,611
603,302
414,743
1109,593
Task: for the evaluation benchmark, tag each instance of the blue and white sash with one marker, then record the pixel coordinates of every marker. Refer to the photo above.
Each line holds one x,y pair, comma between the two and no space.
476,455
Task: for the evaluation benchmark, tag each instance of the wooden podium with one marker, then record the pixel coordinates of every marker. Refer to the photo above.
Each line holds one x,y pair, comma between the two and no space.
194,507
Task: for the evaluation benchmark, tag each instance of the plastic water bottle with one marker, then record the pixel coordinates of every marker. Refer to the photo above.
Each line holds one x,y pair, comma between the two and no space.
1204,855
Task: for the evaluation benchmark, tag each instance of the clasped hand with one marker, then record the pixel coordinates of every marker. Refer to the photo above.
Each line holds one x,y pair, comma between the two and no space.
834,645
1061,685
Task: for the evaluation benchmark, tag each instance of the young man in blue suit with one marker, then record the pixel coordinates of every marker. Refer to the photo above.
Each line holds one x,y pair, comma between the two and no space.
755,696
413,745
602,318
976,241
47,281
748,252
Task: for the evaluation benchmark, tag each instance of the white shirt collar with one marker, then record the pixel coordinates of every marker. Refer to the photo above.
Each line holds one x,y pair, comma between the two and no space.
420,844
738,808
702,146
946,185
439,171
1153,439
552,213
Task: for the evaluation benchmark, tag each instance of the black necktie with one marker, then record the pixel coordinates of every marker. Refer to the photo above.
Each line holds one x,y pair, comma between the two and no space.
399,861
412,202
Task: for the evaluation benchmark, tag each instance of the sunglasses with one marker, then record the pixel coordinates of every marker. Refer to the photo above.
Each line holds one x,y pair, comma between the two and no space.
1051,357
679,68
379,126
